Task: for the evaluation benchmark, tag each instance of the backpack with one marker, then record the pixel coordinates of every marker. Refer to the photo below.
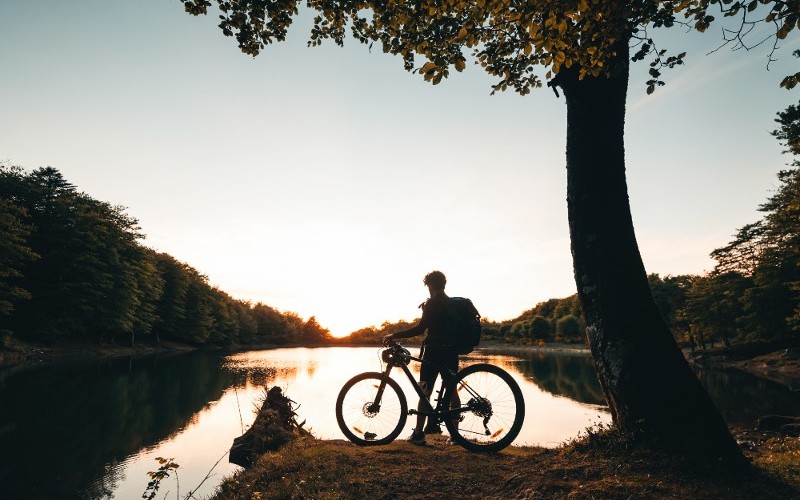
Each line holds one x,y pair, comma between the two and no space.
463,327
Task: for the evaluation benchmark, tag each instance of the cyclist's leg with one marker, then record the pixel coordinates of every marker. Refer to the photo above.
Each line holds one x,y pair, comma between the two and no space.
451,363
427,378
444,361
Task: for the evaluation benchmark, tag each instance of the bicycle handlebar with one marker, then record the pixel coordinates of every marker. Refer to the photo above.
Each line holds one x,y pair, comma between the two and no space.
394,351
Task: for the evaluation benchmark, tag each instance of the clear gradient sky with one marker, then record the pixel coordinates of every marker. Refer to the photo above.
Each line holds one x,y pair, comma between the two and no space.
328,181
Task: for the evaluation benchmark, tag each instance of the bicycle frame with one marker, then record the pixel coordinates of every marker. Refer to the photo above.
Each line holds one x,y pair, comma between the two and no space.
441,411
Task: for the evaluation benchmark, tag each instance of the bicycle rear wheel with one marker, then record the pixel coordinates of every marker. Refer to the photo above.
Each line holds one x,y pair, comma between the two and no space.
491,408
365,419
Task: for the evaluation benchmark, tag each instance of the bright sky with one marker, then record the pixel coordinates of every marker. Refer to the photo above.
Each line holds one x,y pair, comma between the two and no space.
329,181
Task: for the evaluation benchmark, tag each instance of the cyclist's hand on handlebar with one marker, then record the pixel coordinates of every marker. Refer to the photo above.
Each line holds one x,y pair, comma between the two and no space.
388,339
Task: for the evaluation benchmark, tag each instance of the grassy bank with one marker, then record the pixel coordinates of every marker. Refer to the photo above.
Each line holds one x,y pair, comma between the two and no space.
596,467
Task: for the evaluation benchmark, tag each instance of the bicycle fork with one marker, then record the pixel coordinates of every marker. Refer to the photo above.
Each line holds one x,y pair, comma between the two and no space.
375,406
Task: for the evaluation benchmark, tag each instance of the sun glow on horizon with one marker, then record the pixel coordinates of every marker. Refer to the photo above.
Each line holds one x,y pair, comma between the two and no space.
346,292
353,274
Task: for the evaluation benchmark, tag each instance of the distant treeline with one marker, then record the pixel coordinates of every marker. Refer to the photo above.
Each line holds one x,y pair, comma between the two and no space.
556,320
72,267
752,295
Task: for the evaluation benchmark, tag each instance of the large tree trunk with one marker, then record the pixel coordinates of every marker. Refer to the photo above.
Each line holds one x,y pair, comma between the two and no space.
651,390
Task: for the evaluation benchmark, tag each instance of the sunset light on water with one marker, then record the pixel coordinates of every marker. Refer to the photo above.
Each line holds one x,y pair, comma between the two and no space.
313,377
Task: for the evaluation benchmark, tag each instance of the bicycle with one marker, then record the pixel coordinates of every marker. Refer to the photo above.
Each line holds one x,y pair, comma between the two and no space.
485,415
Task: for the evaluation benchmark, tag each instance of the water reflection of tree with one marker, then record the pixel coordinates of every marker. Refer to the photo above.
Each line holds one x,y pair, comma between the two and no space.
248,373
93,415
572,376
104,486
742,398
258,376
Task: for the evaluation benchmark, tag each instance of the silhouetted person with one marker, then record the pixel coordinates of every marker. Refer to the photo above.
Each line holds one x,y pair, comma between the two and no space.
434,348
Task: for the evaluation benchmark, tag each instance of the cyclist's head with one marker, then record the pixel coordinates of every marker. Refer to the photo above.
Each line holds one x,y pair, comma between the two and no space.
435,280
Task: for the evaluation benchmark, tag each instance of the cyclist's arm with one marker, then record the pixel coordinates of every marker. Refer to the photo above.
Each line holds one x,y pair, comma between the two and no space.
414,330
411,332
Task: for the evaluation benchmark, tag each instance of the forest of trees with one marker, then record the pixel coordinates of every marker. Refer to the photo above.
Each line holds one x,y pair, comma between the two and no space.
72,267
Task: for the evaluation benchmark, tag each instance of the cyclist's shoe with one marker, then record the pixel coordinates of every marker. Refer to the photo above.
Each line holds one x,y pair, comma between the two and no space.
417,438
432,428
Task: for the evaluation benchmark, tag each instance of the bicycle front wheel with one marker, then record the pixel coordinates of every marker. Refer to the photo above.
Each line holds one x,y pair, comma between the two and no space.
490,408
371,409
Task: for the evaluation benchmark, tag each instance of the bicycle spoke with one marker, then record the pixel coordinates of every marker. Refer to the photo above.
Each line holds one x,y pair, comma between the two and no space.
491,410
365,419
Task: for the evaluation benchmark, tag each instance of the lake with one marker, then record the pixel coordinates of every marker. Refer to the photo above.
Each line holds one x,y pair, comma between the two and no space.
94,430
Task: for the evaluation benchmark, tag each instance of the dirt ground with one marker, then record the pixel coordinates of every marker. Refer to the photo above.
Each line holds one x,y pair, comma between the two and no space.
337,469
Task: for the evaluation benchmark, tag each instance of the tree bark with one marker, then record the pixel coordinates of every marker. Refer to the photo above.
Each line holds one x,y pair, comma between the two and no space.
650,388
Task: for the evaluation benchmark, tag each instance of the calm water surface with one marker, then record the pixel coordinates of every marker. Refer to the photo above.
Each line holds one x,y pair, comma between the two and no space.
94,430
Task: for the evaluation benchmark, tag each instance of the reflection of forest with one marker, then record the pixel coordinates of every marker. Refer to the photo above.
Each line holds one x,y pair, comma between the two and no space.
742,398
572,376
54,417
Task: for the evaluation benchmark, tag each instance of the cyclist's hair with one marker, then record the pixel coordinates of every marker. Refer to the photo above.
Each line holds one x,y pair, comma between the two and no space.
435,279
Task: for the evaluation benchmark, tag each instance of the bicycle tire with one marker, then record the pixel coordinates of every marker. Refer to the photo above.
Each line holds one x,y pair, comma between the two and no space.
492,408
364,424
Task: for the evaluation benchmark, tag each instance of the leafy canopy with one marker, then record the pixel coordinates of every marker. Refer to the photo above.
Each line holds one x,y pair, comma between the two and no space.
510,39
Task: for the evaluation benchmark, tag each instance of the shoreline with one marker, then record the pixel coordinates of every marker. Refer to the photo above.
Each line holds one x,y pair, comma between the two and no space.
19,353
779,363
16,353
